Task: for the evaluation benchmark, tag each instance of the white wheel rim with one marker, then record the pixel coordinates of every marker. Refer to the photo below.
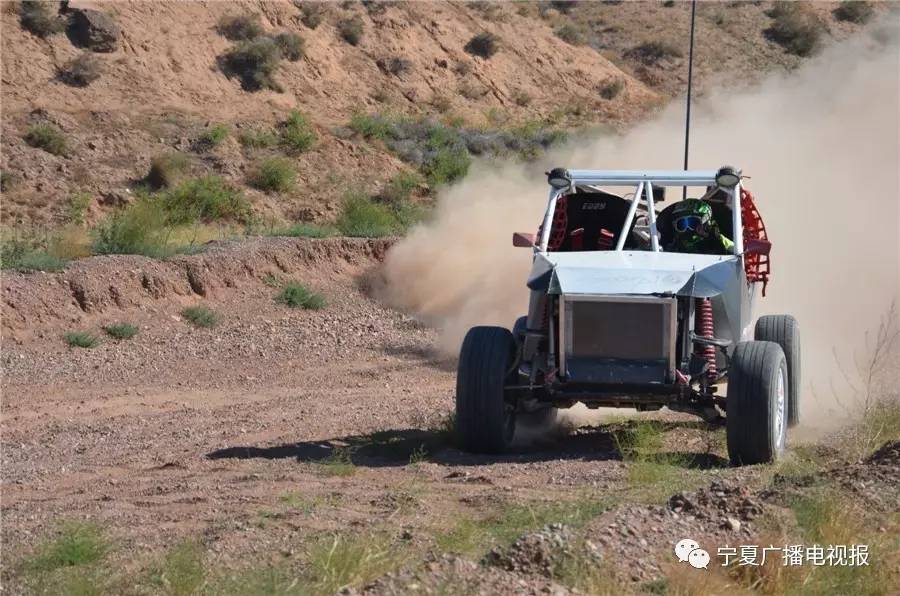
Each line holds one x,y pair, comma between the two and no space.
779,411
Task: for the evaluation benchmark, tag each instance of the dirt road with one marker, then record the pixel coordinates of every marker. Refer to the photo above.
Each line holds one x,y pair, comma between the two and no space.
281,428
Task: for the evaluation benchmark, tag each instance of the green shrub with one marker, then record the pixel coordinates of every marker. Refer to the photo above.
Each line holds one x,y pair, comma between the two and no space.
395,65
273,174
296,135
25,257
292,45
312,13
610,88
47,137
140,228
401,187
799,32
36,17
361,217
8,180
254,63
81,339
240,27
449,159
570,34
81,71
77,544
370,126
855,11
76,206
200,316
258,139
213,136
651,52
485,44
168,169
304,230
121,330
351,30
208,198
297,295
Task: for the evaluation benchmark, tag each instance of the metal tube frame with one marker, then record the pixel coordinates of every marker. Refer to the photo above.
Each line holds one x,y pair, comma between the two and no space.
644,181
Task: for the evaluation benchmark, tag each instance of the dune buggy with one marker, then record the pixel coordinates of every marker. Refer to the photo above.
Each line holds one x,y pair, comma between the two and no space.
614,320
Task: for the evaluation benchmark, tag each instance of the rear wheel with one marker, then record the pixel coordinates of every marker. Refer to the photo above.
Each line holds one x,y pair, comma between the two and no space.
758,392
485,422
785,331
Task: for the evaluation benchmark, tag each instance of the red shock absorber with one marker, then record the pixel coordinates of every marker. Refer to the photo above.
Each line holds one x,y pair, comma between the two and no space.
704,326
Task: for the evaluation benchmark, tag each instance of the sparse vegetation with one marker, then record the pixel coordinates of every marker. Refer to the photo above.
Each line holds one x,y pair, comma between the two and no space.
395,65
240,27
168,169
521,97
77,544
339,463
25,256
8,180
208,198
296,295
351,29
797,30
37,17
570,34
293,47
340,560
213,136
200,316
81,71
855,11
76,206
183,570
401,187
81,339
273,174
296,134
312,14
48,137
139,228
254,63
652,52
121,330
610,88
304,230
258,139
484,44
362,217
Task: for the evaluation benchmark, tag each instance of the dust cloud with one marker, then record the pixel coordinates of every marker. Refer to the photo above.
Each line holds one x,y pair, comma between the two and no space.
821,145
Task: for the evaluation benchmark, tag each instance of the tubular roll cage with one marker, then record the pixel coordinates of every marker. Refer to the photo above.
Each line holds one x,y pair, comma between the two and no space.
644,181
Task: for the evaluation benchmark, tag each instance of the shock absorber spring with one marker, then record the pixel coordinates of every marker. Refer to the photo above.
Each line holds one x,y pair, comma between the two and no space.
704,326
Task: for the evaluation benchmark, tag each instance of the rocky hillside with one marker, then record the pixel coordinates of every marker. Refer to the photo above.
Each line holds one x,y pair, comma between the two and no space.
92,92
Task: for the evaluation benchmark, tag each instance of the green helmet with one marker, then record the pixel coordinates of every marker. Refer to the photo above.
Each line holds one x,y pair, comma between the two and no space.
692,221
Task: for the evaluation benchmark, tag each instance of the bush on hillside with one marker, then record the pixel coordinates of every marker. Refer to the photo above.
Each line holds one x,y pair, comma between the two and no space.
48,137
273,174
81,71
296,134
38,18
167,169
855,11
293,47
485,44
351,30
240,27
254,63
653,51
798,31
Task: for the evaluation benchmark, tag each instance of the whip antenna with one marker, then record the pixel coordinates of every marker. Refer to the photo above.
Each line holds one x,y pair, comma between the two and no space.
687,124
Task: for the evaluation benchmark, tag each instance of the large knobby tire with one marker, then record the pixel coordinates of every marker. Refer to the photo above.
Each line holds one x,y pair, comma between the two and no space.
785,331
485,423
756,414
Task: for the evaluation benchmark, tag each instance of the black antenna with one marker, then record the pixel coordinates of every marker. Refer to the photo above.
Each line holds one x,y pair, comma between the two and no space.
687,124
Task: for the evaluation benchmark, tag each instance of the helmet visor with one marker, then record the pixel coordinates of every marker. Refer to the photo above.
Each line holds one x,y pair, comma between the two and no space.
688,222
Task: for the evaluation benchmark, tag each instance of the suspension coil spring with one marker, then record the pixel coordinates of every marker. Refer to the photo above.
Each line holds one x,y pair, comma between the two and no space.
704,326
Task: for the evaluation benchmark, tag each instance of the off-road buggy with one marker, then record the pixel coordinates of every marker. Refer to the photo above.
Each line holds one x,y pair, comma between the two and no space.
614,320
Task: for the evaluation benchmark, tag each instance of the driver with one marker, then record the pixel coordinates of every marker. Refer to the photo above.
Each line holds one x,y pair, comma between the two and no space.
696,231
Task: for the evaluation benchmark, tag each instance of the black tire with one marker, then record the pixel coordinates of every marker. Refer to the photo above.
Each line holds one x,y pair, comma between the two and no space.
753,431
519,327
485,422
785,331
